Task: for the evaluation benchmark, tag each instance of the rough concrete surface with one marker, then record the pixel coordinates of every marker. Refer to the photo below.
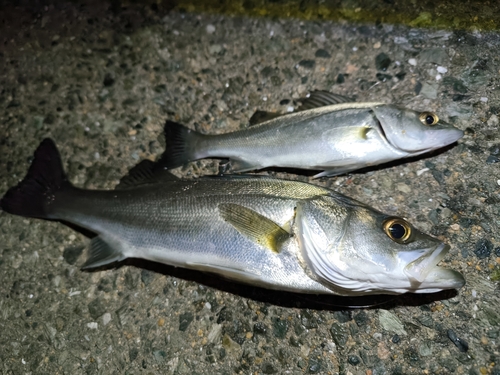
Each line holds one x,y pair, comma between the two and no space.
101,80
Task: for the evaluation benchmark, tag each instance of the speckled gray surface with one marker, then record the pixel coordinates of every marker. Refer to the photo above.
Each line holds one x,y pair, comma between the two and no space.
100,81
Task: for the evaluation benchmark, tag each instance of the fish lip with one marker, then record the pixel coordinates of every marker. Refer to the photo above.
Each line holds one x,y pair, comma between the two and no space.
420,268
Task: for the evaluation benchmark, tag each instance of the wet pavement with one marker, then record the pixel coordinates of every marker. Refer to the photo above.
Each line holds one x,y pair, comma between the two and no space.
101,81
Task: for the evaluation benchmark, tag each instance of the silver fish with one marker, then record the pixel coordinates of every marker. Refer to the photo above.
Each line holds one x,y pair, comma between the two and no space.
272,233
336,138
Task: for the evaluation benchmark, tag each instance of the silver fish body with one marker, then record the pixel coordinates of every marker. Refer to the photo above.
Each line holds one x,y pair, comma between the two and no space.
337,138
277,234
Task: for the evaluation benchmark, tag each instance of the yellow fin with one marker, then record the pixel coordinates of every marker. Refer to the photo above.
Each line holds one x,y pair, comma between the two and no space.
254,226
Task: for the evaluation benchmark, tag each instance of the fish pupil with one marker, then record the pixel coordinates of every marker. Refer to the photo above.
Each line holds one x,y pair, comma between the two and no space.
429,120
397,231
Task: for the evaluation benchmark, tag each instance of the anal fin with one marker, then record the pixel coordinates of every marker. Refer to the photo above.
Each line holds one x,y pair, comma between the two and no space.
101,253
240,166
254,226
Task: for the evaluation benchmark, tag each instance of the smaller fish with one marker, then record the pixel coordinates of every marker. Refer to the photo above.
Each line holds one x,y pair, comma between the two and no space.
328,133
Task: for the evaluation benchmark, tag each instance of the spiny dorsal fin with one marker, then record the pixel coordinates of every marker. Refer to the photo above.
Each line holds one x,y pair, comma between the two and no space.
321,98
262,116
254,226
316,99
146,172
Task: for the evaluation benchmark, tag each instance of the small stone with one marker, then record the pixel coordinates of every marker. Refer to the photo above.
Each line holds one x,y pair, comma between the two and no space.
361,319
71,254
185,320
147,277
383,77
280,328
493,120
96,308
106,318
225,315
377,45
461,344
260,328
354,360
391,322
314,366
344,316
412,62
382,61
159,355
339,334
441,69
108,80
210,29
309,320
433,55
492,159
307,64
429,90
483,248
411,354
425,348
268,368
497,251
133,353
426,320
321,53
396,339
418,88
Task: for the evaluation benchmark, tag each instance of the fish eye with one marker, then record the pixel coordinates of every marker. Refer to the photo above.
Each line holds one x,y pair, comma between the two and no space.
397,229
429,118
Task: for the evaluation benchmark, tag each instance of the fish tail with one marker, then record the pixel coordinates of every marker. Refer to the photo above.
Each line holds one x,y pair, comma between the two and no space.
181,142
35,194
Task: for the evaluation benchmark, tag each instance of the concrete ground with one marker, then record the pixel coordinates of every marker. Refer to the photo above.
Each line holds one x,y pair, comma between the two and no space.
101,79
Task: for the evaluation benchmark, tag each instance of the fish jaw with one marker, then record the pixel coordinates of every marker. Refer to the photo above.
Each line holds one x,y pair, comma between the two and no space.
437,138
425,274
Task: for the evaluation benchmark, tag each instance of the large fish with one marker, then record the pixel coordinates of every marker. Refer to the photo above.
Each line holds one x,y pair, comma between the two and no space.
327,133
277,234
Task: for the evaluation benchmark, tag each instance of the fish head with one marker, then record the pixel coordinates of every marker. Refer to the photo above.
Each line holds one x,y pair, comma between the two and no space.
415,132
357,250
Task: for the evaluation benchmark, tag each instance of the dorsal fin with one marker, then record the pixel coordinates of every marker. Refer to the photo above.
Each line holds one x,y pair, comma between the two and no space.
262,116
321,98
316,99
146,172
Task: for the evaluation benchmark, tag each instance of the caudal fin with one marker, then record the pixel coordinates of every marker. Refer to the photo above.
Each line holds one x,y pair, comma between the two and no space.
179,145
33,196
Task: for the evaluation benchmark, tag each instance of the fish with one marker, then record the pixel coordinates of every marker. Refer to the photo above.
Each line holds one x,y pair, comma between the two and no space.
329,133
266,232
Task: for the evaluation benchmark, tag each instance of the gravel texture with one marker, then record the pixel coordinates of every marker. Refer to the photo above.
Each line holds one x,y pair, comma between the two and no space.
100,80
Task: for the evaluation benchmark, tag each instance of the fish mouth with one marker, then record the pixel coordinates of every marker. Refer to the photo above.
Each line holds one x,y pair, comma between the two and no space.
424,270
437,138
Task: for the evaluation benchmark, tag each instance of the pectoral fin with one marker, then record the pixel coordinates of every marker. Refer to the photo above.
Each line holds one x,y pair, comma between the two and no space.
254,226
